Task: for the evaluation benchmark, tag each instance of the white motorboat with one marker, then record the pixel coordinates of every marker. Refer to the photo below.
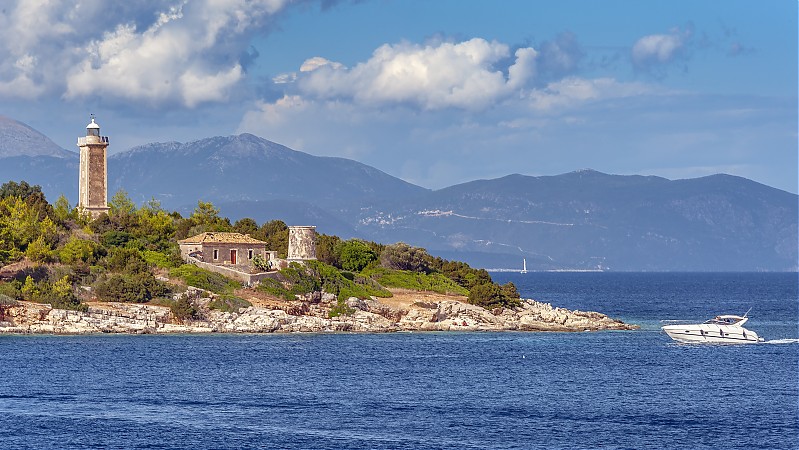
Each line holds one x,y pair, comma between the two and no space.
726,329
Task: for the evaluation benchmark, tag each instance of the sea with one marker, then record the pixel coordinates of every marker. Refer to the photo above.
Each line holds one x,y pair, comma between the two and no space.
449,390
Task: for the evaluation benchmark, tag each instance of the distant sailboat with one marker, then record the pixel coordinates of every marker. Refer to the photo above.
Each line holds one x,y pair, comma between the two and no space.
524,265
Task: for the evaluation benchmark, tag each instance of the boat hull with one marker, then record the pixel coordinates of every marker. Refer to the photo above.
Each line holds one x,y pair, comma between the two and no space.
713,334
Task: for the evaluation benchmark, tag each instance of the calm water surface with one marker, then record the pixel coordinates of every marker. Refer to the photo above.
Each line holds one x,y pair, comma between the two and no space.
430,390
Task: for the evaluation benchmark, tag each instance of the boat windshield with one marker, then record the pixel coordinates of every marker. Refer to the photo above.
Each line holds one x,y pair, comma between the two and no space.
724,320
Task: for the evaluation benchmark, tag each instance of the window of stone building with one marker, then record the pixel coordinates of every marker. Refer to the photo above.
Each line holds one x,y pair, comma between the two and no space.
249,254
216,254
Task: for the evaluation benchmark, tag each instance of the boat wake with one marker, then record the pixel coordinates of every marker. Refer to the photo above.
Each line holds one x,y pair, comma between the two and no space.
782,341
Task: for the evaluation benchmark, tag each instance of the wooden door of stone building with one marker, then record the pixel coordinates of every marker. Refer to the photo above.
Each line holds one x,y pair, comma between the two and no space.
233,257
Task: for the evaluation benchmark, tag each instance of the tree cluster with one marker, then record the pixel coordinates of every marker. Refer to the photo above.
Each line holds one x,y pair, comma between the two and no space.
360,256
118,253
491,296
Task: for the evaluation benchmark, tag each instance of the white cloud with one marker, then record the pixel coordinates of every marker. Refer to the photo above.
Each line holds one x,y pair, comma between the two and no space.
147,51
170,59
572,92
316,62
656,49
22,84
460,75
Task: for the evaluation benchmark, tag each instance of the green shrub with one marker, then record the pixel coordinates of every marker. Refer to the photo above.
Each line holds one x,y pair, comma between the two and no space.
126,260
274,287
490,295
334,282
7,301
401,256
115,238
184,309
158,259
461,273
60,294
39,251
404,279
354,255
204,279
347,292
228,303
80,250
326,249
167,259
317,276
11,289
260,263
301,282
135,288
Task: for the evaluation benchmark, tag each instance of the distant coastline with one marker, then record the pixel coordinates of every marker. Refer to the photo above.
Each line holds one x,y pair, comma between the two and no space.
544,271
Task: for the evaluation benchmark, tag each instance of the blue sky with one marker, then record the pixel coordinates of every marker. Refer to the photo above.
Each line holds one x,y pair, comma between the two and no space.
434,92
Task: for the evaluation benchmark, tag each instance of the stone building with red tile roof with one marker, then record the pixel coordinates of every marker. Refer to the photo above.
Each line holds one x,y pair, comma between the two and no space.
224,248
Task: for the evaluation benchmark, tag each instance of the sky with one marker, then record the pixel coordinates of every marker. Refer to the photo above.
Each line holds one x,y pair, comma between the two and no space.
436,92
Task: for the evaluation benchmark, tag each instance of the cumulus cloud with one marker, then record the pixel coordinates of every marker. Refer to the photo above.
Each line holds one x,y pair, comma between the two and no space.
180,57
146,51
444,75
660,49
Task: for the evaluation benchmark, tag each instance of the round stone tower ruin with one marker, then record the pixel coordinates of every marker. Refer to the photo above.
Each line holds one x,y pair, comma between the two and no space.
93,176
302,243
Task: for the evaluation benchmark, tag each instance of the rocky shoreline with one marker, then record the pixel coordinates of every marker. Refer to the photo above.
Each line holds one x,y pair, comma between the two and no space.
309,315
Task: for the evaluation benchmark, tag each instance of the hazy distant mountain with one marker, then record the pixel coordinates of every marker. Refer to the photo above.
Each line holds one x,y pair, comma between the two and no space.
580,220
591,220
18,139
249,168
26,154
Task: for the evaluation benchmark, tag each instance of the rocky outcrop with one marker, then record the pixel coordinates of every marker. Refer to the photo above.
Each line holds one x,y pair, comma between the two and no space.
309,315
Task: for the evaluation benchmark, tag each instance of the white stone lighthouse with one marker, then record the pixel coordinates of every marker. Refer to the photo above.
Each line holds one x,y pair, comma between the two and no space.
93,178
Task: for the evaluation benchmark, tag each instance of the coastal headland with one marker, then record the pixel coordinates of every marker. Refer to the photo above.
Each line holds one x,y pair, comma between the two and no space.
405,311
119,268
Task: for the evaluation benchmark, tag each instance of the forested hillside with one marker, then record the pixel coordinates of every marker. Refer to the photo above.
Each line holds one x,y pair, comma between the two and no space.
49,253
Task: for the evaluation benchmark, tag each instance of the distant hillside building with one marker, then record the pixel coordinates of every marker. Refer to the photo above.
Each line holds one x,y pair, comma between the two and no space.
224,248
93,176
302,243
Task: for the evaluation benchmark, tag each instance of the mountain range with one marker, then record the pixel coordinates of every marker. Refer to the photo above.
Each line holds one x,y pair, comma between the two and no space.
583,220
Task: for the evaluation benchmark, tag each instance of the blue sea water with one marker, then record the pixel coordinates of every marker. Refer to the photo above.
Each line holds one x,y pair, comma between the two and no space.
614,390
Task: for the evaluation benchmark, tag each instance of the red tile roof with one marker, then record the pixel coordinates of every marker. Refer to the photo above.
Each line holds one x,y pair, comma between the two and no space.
219,237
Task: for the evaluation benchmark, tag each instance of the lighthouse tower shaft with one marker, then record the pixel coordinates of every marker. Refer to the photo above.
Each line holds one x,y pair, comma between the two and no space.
93,178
